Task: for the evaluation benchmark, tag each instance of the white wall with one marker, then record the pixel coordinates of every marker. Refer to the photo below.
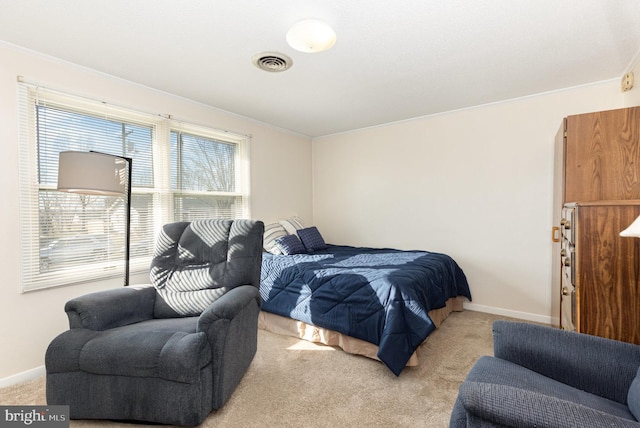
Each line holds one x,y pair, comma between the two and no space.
476,184
29,321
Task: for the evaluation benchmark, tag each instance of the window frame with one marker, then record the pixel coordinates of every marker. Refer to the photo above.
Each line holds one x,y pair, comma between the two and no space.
162,195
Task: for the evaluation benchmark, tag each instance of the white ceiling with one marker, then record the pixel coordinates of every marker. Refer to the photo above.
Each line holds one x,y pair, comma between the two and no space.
393,60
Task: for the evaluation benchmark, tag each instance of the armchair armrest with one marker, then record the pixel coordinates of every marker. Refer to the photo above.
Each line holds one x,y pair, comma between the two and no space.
111,308
231,325
507,406
594,364
228,306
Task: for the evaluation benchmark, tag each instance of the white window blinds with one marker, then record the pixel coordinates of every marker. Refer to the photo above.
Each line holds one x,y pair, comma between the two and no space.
180,172
207,176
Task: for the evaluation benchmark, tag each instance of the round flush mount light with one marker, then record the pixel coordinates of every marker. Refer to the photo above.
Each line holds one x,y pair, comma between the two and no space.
311,35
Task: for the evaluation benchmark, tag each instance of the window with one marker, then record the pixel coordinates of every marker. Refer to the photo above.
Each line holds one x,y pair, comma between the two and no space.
181,172
203,177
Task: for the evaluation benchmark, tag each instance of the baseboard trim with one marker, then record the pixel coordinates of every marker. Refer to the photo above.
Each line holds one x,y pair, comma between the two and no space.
22,377
509,313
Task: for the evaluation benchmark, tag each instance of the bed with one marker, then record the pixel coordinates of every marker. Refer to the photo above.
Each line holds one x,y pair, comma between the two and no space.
381,303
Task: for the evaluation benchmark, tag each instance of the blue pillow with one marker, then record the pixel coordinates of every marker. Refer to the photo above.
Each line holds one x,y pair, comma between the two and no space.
311,239
290,244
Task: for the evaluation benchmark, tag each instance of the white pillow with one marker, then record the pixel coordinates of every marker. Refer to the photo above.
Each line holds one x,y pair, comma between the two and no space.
273,231
292,224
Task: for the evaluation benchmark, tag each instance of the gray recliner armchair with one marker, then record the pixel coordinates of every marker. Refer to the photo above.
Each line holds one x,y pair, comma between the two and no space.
547,377
173,351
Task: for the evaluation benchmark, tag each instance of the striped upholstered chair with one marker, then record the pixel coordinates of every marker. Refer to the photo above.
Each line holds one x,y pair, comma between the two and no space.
169,352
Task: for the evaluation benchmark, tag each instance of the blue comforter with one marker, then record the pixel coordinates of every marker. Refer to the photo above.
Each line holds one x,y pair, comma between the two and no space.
382,296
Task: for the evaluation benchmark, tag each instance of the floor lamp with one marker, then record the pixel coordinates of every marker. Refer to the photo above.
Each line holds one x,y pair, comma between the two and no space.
94,173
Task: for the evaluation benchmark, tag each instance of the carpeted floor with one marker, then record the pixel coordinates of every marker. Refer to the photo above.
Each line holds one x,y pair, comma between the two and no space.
292,383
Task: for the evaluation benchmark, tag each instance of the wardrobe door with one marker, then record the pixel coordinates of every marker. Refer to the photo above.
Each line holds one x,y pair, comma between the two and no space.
602,156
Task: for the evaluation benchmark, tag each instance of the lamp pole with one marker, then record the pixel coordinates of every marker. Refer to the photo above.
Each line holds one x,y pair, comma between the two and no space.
127,246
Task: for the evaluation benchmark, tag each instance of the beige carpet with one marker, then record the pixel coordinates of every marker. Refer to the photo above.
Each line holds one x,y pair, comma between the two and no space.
292,383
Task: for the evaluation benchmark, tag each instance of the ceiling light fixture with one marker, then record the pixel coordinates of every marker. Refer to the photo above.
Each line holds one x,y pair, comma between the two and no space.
311,35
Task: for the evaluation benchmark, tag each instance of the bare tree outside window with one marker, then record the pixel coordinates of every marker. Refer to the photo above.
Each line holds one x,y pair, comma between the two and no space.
202,164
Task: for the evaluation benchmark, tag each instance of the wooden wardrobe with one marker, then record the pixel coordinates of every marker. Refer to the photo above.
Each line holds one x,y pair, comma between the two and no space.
596,196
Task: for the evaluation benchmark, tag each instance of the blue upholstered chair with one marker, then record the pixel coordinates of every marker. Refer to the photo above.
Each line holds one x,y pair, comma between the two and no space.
547,377
173,351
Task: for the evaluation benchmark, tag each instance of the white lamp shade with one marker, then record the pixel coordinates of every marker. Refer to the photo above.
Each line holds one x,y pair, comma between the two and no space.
633,231
311,35
92,173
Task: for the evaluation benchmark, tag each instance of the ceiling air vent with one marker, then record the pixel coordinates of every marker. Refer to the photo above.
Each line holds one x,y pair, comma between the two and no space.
272,61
